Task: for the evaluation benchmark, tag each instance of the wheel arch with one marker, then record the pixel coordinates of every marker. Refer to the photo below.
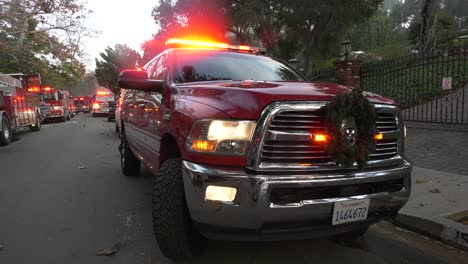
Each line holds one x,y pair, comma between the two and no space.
2,113
169,148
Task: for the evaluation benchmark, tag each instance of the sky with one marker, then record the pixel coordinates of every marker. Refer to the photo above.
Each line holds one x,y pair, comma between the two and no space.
119,22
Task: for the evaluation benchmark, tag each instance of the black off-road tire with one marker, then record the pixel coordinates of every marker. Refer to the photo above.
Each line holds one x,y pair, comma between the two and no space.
37,126
129,163
6,133
173,228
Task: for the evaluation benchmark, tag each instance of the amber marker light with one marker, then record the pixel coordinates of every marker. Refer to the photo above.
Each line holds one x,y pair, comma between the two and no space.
203,145
378,136
319,138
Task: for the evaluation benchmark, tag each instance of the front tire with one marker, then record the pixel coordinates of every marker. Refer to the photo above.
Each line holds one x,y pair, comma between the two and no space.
37,126
6,133
177,237
129,163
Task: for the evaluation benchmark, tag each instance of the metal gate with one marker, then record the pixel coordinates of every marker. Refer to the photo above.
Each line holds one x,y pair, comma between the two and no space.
429,87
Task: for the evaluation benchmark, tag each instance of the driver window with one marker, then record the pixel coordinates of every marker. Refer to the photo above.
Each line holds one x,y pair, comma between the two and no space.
160,69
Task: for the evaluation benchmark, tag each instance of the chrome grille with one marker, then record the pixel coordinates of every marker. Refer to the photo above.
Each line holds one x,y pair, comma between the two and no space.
287,139
45,109
293,121
385,149
386,122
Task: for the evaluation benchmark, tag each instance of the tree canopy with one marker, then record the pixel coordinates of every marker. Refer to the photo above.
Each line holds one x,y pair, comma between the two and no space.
112,61
43,36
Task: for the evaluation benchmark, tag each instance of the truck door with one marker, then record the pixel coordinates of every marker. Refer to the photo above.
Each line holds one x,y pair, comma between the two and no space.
150,109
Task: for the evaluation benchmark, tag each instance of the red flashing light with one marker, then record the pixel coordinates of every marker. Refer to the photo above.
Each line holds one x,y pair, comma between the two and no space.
96,106
138,69
47,89
34,89
209,44
81,99
102,93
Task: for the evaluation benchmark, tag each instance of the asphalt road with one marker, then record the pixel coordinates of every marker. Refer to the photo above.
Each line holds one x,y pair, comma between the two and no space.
63,198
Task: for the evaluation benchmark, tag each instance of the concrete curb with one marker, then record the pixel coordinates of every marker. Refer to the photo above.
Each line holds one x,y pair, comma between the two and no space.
444,229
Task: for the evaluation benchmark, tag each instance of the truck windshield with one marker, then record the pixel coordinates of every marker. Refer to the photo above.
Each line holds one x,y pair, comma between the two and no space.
50,96
105,98
209,65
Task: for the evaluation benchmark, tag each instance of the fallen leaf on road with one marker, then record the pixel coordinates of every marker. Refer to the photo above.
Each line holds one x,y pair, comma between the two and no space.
106,252
436,190
82,167
148,260
421,180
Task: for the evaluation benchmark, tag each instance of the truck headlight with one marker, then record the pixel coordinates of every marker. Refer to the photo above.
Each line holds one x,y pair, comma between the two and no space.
226,137
57,108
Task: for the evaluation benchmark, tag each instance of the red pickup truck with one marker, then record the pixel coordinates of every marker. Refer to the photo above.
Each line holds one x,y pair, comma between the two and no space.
228,134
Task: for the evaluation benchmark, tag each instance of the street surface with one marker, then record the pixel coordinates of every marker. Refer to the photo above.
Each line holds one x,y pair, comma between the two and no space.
438,149
63,198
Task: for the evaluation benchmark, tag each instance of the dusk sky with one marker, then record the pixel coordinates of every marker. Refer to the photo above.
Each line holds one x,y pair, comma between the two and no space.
120,22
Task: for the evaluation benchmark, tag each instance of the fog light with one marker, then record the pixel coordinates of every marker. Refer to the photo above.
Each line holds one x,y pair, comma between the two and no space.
220,193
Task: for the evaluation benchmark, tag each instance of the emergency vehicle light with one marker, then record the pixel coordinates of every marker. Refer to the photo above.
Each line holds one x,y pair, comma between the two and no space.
47,89
81,99
34,89
208,44
102,93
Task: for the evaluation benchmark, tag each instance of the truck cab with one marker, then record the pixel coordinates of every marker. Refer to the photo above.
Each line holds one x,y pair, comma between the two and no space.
56,104
238,143
101,99
83,104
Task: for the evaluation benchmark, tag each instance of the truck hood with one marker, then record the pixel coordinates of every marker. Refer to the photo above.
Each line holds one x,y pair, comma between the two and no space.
247,99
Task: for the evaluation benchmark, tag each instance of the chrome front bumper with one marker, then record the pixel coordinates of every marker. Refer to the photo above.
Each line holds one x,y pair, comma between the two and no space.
252,215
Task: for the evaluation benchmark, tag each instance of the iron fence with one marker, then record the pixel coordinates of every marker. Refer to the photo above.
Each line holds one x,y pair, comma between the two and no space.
327,75
428,87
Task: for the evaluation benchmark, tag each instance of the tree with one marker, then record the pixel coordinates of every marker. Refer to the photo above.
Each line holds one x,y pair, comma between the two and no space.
43,36
301,27
429,12
112,61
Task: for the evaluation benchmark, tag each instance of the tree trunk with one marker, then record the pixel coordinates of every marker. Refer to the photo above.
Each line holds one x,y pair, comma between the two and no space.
428,25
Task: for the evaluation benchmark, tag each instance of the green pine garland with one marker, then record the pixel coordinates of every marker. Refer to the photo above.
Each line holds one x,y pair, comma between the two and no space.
355,105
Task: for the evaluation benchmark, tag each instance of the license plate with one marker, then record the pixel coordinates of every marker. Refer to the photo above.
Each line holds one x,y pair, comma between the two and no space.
350,211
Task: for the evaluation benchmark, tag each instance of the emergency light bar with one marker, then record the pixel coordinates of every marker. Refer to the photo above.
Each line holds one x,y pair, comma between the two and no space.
102,93
207,44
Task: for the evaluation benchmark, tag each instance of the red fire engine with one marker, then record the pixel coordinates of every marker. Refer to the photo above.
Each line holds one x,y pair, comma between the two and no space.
83,104
19,104
101,99
57,104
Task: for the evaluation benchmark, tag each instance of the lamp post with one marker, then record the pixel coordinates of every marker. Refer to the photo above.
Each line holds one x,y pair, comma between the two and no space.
346,48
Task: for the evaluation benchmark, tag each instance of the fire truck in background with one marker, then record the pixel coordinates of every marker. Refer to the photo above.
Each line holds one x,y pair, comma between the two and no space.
101,99
83,104
57,104
19,104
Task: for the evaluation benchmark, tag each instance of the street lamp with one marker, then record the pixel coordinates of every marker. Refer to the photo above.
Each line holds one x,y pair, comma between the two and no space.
346,48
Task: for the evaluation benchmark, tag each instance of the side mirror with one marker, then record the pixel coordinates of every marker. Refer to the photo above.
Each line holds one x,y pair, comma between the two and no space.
138,80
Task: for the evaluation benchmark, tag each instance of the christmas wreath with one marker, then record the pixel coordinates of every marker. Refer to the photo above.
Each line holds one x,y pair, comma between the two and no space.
350,123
